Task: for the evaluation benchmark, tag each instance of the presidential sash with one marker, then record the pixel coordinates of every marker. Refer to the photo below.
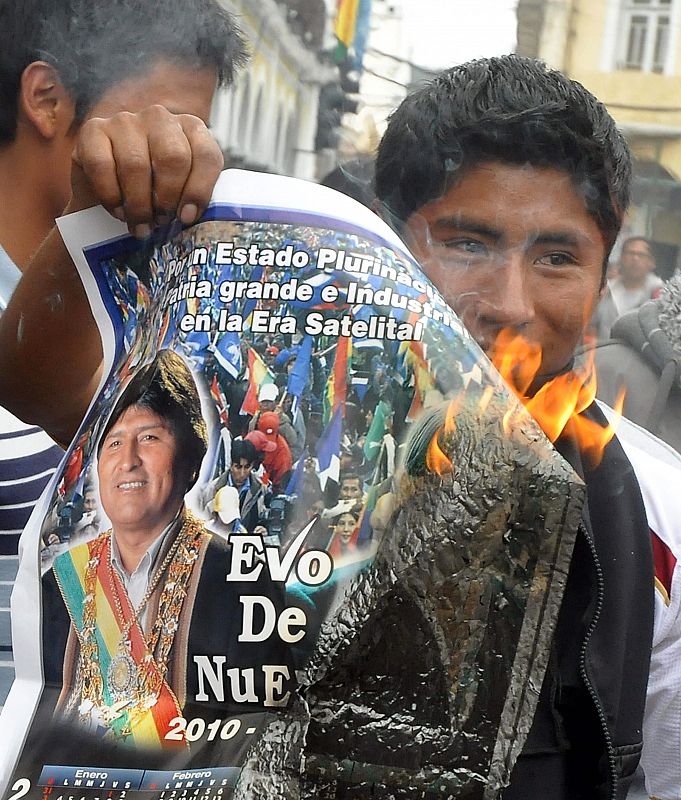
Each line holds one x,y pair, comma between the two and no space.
121,681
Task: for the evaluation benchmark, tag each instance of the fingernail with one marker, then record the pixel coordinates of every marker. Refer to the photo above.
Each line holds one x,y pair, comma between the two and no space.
142,231
189,214
164,219
119,213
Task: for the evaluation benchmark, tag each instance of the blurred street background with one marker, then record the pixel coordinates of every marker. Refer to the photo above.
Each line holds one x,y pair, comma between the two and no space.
309,102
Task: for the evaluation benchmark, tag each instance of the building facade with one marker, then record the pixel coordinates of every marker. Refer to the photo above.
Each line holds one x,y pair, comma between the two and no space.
387,72
627,52
267,120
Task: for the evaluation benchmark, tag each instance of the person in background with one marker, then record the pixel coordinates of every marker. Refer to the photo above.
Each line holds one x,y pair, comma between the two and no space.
277,461
634,284
636,281
351,491
344,528
267,401
89,525
643,359
299,426
226,510
354,178
262,445
253,497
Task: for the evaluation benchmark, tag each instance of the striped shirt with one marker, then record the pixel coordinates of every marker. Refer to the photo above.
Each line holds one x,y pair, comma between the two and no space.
28,459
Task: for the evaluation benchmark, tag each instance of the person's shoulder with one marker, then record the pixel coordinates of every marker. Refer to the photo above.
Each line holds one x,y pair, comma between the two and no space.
216,560
282,443
654,286
645,448
28,444
657,467
217,565
617,362
218,554
614,286
216,544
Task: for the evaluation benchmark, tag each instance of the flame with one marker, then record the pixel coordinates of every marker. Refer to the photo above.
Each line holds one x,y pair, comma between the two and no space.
436,460
559,402
556,406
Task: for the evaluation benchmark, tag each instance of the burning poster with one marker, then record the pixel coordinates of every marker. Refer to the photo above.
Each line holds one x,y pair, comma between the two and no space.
294,550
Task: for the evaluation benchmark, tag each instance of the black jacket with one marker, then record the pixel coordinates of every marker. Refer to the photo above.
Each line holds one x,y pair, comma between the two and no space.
587,735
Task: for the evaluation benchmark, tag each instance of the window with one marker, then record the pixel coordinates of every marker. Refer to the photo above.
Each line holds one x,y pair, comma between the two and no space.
645,35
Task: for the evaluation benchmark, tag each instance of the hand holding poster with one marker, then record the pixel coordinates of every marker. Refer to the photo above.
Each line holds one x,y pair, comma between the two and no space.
293,552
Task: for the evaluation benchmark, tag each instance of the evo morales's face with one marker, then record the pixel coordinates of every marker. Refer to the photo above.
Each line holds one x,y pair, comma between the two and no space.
514,247
141,479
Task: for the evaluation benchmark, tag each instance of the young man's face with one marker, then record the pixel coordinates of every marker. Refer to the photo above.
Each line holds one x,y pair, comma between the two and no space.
514,247
142,481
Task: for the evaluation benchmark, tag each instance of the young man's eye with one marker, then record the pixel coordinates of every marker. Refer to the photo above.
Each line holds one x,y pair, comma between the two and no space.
556,259
466,247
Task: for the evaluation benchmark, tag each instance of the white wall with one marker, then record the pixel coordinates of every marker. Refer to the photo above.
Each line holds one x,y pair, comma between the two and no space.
268,119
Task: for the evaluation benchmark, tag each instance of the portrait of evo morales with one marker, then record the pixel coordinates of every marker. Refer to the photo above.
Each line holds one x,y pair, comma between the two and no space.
126,613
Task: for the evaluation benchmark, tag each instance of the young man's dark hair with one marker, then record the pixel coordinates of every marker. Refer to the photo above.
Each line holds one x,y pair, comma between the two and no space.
510,109
96,45
166,387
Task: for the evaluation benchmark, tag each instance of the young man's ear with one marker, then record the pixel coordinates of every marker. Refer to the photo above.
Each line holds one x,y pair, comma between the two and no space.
43,102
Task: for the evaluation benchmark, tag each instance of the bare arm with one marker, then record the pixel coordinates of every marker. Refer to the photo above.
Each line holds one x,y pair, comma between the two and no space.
143,168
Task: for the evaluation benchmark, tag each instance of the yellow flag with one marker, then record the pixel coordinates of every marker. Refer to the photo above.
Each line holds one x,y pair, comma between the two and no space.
346,21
